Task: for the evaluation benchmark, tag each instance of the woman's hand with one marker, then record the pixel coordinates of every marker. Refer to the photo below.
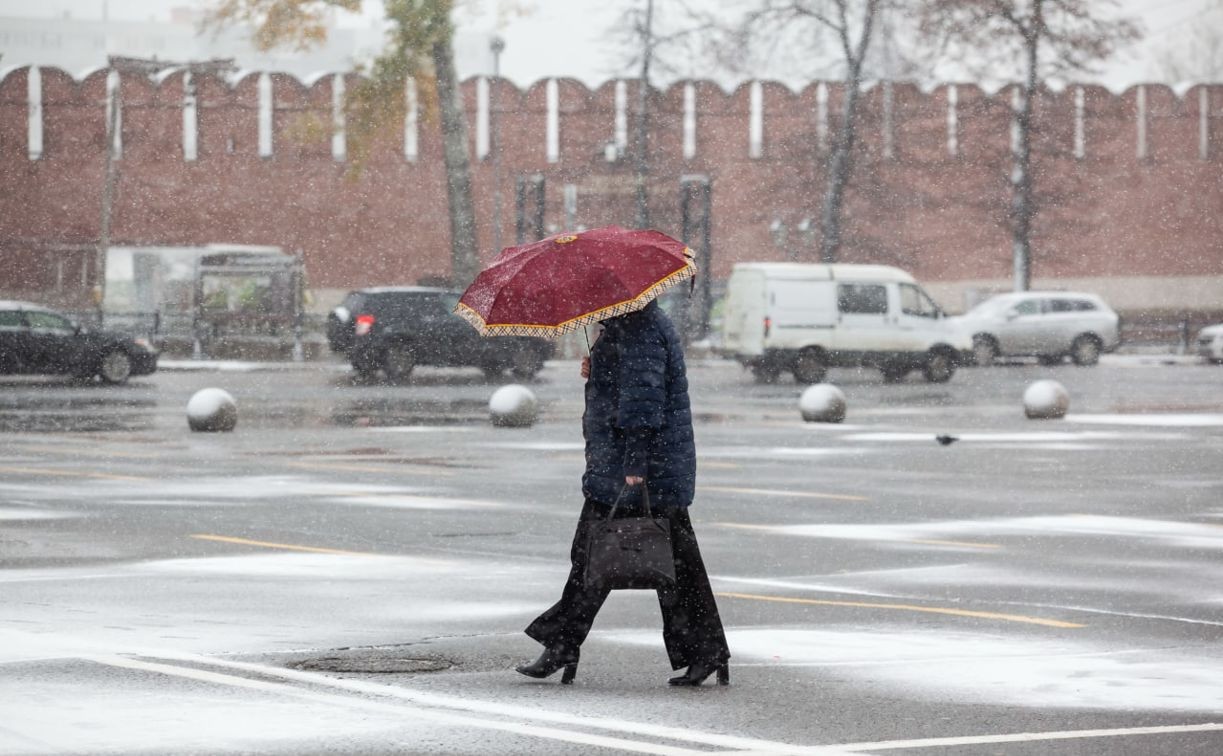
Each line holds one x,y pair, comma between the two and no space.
585,367
633,480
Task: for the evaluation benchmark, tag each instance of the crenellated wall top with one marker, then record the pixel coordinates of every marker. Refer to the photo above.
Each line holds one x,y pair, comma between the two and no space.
570,87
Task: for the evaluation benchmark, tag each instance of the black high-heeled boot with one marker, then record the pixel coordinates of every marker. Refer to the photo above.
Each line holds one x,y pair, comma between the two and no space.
696,674
552,659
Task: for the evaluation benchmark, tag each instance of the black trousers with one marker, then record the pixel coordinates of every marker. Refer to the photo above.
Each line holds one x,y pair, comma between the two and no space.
692,628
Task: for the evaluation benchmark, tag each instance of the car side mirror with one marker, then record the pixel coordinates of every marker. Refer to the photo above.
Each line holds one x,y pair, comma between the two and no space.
1012,314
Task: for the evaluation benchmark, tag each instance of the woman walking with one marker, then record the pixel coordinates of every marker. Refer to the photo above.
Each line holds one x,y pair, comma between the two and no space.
638,432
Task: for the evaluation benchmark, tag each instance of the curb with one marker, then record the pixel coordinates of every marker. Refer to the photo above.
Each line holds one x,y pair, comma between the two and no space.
1150,360
240,366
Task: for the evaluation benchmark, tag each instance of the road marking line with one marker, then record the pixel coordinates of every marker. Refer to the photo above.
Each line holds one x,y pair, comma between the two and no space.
1133,615
281,546
344,467
908,608
743,526
434,707
1025,737
434,716
781,529
89,452
792,585
743,745
441,700
49,578
966,544
72,474
778,492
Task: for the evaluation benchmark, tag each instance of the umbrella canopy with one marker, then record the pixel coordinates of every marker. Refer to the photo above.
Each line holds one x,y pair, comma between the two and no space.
564,282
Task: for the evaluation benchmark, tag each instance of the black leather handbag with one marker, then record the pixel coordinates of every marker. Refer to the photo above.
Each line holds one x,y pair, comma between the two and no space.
630,552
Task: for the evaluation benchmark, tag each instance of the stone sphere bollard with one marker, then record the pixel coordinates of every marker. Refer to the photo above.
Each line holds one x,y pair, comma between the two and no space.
513,406
1046,400
822,403
212,410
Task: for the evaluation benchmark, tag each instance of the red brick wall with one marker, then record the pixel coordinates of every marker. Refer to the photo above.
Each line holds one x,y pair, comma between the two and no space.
939,215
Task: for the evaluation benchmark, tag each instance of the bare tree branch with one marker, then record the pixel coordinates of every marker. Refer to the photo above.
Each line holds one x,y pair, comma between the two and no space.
1042,38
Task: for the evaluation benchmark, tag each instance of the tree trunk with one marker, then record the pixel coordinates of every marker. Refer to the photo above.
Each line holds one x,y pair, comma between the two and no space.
464,256
1021,175
641,139
840,164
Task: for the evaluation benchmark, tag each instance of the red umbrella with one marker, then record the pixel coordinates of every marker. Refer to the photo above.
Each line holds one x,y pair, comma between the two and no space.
561,283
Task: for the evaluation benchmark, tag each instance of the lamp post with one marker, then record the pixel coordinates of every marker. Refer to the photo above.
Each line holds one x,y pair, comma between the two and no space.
496,45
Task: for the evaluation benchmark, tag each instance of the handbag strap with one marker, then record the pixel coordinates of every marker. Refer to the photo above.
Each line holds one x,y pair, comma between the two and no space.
645,489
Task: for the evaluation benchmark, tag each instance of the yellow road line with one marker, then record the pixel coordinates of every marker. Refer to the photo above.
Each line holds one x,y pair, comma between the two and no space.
312,549
743,526
701,463
410,469
88,452
281,546
908,608
932,542
782,492
71,473
967,544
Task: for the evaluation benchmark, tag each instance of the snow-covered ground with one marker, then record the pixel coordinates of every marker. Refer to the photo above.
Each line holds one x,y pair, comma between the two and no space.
1029,585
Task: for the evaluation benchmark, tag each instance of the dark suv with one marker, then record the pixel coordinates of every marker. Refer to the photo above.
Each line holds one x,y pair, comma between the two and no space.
35,340
394,329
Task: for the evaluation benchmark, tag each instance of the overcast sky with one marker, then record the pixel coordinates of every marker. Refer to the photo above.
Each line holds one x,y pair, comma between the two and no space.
570,37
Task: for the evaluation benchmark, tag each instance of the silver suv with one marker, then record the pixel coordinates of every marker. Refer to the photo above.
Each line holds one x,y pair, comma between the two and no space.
1049,325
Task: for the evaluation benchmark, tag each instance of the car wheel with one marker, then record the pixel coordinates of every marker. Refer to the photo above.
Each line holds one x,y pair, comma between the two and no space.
766,373
1085,351
115,367
526,363
809,366
984,351
939,367
398,363
1049,360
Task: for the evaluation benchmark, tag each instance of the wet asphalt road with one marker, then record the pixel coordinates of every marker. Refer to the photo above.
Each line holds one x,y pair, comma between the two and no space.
171,592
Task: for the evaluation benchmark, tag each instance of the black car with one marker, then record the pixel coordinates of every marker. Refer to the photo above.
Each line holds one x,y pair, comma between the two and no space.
394,329
36,340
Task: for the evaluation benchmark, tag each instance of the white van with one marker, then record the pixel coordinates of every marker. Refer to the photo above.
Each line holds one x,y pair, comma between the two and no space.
806,318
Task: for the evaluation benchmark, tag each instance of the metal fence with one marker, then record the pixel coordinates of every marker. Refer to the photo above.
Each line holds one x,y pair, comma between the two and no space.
184,333
1169,333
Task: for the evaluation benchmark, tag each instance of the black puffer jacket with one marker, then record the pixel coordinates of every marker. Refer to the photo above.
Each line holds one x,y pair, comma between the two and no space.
638,420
